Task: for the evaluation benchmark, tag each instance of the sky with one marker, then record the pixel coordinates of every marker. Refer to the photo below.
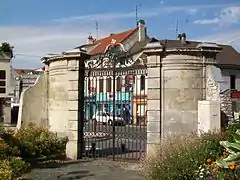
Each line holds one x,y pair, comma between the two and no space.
36,28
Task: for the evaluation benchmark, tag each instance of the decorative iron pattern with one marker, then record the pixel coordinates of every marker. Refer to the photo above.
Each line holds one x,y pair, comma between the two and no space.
115,103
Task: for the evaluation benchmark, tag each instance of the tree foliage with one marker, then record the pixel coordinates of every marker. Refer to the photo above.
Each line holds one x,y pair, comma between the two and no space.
7,49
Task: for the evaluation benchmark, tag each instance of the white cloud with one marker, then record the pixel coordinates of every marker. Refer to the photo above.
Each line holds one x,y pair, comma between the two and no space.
192,11
228,37
207,21
33,42
143,13
105,16
226,16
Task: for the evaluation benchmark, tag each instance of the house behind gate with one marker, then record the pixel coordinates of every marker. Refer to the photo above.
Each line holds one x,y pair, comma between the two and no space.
130,85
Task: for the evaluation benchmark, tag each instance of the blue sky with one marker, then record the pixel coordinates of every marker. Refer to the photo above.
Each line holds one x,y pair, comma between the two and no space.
36,28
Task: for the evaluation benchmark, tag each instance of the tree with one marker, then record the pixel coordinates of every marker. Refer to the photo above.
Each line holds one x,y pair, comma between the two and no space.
7,48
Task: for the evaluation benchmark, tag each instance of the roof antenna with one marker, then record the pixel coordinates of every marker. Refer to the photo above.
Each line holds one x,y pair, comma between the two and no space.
136,11
96,23
177,29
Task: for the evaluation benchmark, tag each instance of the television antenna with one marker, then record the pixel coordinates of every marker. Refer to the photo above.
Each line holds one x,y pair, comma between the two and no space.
136,11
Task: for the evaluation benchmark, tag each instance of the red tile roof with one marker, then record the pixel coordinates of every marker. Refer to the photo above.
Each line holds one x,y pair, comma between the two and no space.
23,71
104,42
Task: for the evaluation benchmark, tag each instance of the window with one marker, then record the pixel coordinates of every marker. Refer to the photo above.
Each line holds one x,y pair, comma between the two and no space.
119,83
142,82
127,88
89,84
3,90
232,82
2,75
2,81
109,84
101,85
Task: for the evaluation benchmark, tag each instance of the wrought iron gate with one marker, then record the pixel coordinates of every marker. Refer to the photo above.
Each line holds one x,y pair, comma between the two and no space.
115,106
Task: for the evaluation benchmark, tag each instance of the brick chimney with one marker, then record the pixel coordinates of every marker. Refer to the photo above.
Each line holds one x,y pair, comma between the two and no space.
91,40
142,30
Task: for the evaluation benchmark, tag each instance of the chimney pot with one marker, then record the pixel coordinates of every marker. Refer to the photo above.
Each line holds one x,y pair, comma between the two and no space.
179,36
183,38
142,30
91,40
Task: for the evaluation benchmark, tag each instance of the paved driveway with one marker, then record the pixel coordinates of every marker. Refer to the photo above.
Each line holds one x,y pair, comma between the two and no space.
92,170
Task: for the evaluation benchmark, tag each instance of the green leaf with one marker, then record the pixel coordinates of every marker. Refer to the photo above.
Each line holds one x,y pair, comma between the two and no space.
236,125
225,144
233,157
235,146
236,137
231,150
223,164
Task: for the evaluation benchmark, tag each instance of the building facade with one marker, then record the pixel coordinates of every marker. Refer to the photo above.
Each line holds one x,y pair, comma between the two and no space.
130,82
5,88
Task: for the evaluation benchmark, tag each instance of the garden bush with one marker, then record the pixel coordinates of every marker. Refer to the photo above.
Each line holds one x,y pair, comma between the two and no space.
29,143
6,172
181,156
35,142
18,166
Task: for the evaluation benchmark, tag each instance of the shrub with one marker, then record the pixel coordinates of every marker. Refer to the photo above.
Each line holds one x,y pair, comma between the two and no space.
181,156
232,147
30,143
34,142
10,139
6,172
18,166
5,149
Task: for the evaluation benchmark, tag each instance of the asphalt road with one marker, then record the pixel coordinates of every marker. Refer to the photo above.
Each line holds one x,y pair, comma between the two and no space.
130,141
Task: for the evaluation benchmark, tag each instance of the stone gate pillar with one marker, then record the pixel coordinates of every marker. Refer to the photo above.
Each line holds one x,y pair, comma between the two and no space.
154,53
176,82
75,74
66,98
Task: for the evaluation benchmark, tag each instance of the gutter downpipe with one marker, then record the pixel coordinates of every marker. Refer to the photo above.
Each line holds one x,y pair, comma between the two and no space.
161,86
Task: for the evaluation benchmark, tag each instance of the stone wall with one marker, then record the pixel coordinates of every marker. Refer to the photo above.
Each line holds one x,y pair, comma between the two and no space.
33,105
5,110
58,97
183,86
217,89
226,108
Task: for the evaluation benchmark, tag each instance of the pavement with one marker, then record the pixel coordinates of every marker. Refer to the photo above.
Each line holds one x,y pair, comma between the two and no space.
90,170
